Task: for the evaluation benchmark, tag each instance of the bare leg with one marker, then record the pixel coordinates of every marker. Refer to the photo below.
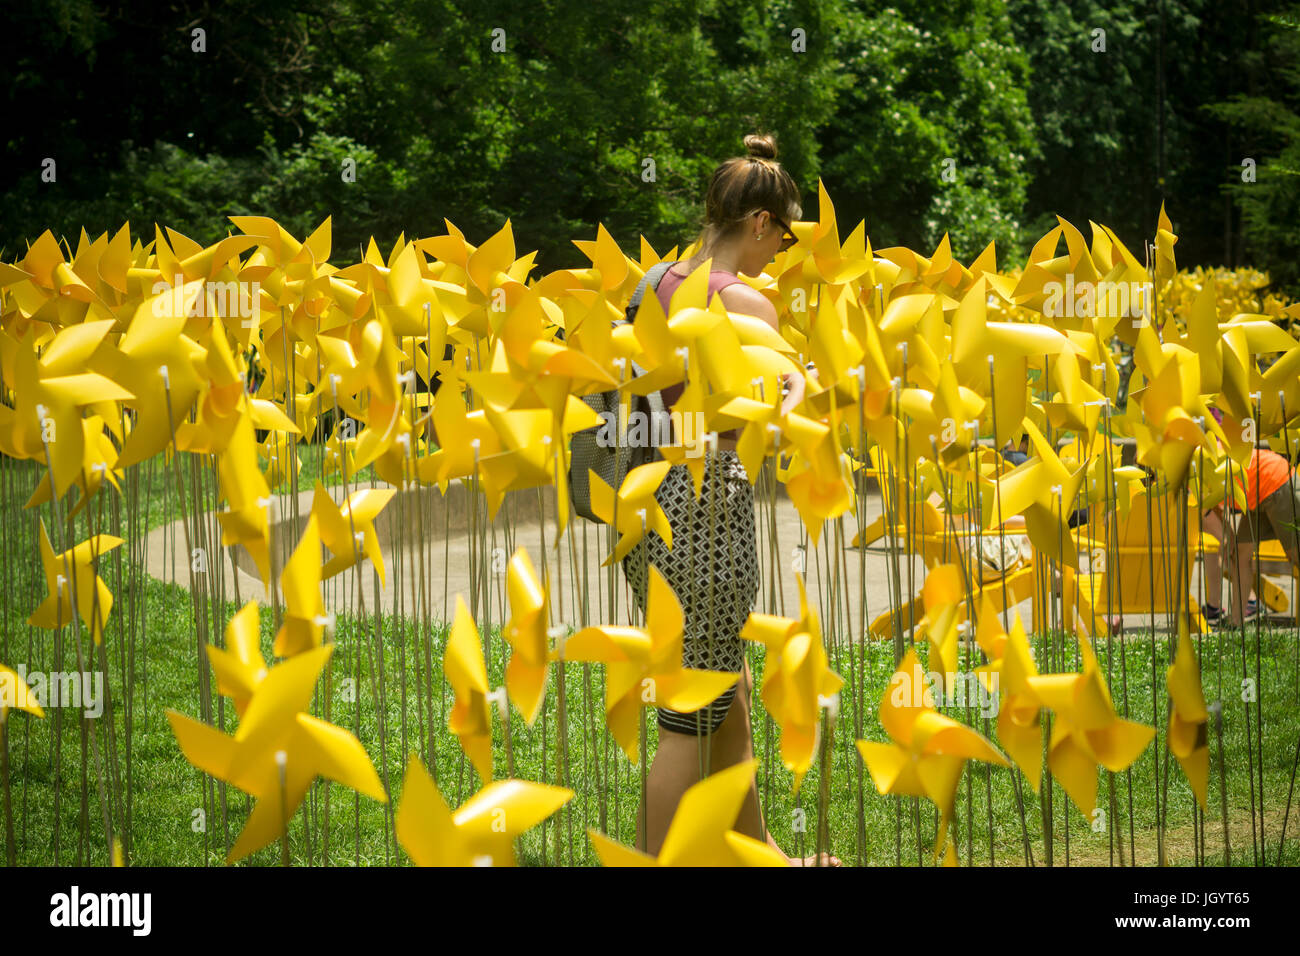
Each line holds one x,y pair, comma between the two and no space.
674,769
1243,577
733,744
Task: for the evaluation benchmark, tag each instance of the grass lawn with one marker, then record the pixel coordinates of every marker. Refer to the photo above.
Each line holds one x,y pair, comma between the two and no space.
380,687
168,804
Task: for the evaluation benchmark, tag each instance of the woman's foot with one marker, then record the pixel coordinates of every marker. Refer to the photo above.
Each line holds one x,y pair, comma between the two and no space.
826,860
1225,621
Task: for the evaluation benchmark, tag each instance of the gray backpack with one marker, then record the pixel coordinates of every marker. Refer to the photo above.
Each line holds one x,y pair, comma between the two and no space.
592,448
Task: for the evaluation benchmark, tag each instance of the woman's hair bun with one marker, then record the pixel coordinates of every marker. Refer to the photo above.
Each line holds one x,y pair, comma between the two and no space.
761,145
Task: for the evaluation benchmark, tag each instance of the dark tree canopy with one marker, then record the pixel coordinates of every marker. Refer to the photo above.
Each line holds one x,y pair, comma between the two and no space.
980,118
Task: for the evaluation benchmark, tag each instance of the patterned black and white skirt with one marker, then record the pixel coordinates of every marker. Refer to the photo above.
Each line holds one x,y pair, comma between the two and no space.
712,567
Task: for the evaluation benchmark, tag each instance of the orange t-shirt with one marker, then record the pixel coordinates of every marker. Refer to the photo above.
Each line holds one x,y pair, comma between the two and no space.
1267,472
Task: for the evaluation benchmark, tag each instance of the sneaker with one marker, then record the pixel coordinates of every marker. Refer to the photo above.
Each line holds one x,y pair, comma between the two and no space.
1220,618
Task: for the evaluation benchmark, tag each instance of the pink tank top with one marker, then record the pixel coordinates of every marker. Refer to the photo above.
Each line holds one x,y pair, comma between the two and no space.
718,280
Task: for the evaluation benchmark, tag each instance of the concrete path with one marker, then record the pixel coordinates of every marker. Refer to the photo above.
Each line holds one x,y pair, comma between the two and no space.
431,543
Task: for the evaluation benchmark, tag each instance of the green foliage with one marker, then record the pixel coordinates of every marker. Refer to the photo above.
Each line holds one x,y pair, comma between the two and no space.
553,132
1271,119
940,82
1093,112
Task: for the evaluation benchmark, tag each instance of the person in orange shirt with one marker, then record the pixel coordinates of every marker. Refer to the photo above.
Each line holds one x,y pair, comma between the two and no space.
1272,511
1212,607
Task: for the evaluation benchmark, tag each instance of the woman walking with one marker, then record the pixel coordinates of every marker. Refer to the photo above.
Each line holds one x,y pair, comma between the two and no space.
713,564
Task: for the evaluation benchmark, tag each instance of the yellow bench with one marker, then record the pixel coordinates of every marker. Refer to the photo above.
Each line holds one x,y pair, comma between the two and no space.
1149,572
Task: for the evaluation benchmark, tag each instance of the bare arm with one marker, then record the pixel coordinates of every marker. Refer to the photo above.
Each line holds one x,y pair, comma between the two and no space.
741,298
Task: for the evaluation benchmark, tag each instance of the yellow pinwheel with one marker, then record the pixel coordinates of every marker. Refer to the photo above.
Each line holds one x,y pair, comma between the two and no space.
278,750
409,291
1169,435
797,682
928,750
1189,718
942,595
610,266
636,510
765,426
240,667
1010,669
939,419
349,531
820,483
1166,265
527,458
830,262
482,832
93,600
701,833
160,363
1086,731
1043,489
304,615
16,695
49,392
644,666
220,408
465,437
526,631
377,371
340,457
471,716
244,488
527,370
281,455
982,350
99,457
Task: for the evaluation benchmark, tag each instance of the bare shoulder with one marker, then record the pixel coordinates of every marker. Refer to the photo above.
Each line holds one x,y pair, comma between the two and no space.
743,298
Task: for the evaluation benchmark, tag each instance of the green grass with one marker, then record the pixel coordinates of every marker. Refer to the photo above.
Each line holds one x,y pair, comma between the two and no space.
151,648
165,791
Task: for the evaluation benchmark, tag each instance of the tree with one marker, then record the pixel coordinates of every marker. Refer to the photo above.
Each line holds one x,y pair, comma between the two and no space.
934,132
1266,180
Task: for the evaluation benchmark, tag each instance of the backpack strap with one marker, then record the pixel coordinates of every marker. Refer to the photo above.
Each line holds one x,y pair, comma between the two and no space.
652,279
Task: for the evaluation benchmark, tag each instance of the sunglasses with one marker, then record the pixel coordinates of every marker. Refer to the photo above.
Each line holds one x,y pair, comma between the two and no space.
787,234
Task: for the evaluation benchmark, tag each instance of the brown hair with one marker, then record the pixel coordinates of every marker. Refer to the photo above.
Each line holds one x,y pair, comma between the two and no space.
745,185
